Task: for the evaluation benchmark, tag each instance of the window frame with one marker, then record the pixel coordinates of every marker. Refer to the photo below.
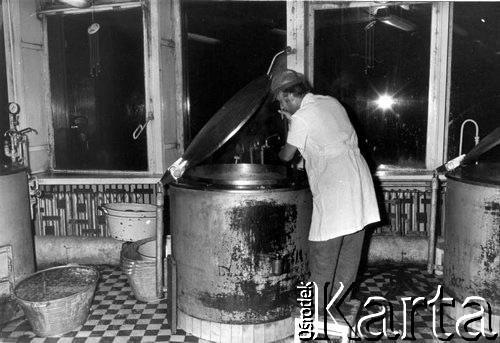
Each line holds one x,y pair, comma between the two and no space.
153,129
440,62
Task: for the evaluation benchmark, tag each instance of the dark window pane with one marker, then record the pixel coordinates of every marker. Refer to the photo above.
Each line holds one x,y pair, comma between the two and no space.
364,53
228,45
95,115
474,75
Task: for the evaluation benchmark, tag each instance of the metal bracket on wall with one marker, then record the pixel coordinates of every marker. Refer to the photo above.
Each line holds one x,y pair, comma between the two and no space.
138,130
35,193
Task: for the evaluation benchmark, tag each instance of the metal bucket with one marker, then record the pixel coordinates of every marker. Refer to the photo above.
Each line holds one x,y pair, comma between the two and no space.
472,234
147,250
140,271
130,221
228,222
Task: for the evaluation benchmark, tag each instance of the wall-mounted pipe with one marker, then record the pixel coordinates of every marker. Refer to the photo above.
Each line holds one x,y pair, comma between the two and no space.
476,137
159,239
432,225
56,250
287,50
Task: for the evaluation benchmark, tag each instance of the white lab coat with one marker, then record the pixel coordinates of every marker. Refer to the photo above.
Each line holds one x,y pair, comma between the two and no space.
344,200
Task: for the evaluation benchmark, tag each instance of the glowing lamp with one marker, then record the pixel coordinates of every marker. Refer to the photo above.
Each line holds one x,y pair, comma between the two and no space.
385,102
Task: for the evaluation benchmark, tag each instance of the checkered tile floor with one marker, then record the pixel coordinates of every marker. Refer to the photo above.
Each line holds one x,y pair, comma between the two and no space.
395,282
116,316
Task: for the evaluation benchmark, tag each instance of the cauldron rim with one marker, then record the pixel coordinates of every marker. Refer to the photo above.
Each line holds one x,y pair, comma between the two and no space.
241,177
482,174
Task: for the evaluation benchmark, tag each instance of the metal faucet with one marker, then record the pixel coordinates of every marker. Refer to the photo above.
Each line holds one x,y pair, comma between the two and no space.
266,146
253,146
239,150
268,138
476,137
17,149
28,130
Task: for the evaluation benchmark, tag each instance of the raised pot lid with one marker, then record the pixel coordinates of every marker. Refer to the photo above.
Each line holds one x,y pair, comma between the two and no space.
221,127
225,122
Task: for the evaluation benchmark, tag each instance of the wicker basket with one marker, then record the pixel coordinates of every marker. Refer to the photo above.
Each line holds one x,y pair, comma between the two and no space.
57,300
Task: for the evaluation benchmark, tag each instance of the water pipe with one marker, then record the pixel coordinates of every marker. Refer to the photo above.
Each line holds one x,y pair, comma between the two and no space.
476,137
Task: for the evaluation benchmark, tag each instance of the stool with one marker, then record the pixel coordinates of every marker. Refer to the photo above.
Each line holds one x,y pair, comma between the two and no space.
333,330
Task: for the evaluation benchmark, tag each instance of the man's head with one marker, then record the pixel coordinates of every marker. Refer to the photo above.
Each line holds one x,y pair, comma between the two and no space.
289,87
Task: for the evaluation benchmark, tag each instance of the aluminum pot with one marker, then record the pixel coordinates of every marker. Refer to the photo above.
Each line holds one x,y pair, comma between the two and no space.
130,221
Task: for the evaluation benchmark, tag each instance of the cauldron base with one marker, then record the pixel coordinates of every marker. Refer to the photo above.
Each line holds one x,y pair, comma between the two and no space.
226,333
458,311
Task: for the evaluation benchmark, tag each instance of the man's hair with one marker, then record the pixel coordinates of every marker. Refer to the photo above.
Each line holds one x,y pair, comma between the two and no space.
285,80
299,89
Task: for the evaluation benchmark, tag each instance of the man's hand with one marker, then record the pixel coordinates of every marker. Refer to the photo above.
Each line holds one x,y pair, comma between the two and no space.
287,152
285,114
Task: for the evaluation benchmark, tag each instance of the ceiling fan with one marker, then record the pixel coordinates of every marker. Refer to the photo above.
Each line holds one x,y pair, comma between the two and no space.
383,14
77,3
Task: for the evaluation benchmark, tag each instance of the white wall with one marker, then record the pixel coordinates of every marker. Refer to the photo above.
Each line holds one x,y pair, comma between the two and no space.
26,75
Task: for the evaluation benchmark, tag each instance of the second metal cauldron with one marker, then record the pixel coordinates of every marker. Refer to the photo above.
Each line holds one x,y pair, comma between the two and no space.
228,222
472,235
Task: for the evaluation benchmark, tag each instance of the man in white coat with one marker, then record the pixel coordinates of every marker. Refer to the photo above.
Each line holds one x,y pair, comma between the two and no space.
344,200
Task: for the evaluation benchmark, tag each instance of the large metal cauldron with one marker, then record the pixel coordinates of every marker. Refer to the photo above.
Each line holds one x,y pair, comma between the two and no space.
15,231
472,251
228,223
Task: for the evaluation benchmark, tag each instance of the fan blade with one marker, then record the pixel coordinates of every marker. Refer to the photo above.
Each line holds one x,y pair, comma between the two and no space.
77,3
398,22
202,38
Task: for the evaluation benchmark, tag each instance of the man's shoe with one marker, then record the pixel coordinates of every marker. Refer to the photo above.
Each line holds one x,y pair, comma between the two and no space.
295,313
291,299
